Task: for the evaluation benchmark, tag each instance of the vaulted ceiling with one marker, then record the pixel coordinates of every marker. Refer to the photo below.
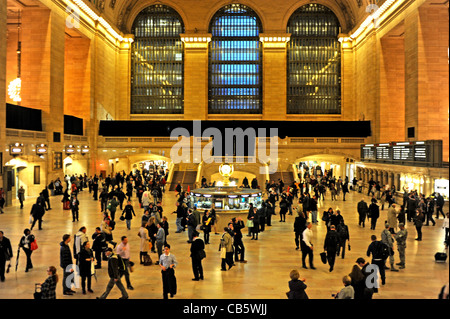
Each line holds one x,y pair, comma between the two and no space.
123,12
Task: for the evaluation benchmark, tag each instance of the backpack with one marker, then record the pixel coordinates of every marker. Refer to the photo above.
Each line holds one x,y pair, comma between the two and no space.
383,251
343,231
112,224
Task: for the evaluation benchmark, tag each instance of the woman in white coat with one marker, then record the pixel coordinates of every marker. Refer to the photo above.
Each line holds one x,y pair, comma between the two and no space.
143,234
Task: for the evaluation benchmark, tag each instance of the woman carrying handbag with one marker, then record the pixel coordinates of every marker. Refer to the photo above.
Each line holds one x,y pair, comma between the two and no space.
85,259
28,244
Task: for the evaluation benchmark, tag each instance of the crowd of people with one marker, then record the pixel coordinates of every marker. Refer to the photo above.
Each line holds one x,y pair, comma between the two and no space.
87,253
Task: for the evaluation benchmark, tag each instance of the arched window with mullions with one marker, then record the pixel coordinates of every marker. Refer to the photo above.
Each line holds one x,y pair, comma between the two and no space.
235,62
157,62
314,61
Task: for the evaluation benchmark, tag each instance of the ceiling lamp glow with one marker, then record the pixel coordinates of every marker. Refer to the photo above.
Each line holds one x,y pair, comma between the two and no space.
14,89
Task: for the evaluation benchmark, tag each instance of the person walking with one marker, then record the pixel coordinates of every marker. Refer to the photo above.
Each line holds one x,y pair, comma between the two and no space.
129,213
21,196
374,214
66,263
331,246
253,216
160,238
191,223
392,218
418,222
344,235
25,244
313,209
79,239
98,246
226,243
299,227
344,189
363,209
197,248
115,268
401,237
112,206
37,212
445,226
307,246
388,239
48,287
74,206
6,254
375,249
239,249
123,251
168,263
283,208
206,226
180,212
46,196
144,242
439,205
85,259
429,211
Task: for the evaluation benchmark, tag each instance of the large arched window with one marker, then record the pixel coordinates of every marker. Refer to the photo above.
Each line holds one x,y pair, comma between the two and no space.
157,62
235,56
314,62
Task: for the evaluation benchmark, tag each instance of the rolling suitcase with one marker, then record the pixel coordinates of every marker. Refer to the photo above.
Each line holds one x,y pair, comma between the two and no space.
440,257
66,205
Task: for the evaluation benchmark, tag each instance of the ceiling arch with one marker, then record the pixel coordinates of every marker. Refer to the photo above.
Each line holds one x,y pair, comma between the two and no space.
124,12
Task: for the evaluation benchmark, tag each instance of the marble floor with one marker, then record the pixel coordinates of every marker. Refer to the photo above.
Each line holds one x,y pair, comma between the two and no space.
265,276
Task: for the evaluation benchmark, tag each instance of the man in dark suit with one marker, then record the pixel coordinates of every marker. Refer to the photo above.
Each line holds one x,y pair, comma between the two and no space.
6,253
362,211
196,247
331,246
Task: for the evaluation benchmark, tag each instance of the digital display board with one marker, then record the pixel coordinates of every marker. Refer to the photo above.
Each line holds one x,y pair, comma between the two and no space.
422,153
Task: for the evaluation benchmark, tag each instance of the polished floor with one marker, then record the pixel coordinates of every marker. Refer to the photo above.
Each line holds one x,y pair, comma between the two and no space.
265,276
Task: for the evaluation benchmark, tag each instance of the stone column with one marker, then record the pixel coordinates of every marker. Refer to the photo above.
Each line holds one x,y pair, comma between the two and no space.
196,75
347,87
43,43
427,73
274,75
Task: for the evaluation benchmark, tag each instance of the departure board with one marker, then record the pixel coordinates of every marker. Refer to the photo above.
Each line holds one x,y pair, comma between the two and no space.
368,152
403,152
383,152
420,153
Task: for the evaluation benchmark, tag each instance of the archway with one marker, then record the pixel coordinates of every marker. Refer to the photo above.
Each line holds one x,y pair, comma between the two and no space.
337,165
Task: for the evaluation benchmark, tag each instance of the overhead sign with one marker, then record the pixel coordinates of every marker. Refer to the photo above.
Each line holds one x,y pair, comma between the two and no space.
418,153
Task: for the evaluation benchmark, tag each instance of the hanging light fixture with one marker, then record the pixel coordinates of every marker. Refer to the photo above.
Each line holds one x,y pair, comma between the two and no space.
15,86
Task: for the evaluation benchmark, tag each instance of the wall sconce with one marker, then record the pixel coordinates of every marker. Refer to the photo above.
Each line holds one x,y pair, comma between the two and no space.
70,150
41,149
84,149
16,149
